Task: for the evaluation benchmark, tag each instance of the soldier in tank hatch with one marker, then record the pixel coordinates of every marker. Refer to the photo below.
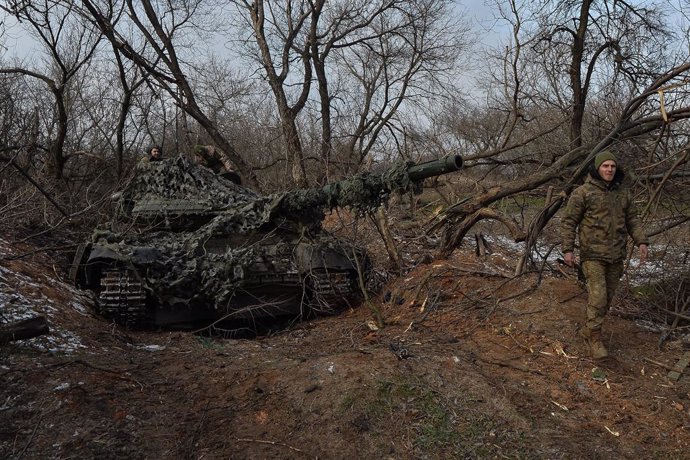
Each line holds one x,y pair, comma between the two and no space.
602,212
214,159
155,153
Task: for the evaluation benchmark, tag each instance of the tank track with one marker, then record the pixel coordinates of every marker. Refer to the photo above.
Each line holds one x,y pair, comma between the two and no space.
122,298
330,290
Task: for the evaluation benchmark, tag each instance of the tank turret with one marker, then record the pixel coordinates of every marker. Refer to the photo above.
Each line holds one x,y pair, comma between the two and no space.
187,247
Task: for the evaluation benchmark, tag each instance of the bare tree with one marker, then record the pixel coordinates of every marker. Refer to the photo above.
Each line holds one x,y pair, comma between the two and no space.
378,56
367,59
287,22
582,47
130,81
641,116
69,45
561,57
163,30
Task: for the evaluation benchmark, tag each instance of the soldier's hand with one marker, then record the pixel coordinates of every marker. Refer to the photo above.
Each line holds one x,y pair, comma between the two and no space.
569,259
643,253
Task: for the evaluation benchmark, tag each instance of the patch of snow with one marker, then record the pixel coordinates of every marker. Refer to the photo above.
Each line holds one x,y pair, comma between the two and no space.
80,308
667,260
4,245
540,249
151,347
58,341
21,298
649,325
62,387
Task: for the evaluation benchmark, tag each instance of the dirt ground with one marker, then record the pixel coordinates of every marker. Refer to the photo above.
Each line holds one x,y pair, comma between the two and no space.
472,363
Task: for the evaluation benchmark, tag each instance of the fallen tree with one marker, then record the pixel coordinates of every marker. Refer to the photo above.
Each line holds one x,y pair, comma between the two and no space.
24,329
457,220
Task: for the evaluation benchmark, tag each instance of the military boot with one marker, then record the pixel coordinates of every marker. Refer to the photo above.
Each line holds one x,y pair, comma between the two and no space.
593,341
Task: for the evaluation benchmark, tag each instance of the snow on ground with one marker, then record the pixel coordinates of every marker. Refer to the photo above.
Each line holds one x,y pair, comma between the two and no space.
653,269
23,296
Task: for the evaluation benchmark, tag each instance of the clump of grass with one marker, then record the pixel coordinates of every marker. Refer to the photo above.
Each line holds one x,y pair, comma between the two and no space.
432,423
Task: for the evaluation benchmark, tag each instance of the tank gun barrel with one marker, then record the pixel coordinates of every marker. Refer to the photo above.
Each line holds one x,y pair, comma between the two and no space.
434,167
364,191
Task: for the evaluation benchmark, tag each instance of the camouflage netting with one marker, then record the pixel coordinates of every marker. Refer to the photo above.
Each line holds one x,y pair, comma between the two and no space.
197,240
180,264
177,186
363,193
177,180
249,228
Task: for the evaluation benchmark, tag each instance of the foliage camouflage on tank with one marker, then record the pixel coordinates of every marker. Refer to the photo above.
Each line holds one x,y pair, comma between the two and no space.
187,246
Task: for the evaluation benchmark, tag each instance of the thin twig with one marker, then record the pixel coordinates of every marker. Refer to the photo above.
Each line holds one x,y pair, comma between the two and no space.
657,363
247,309
528,348
38,251
33,433
511,366
427,310
40,189
518,294
567,299
273,443
196,435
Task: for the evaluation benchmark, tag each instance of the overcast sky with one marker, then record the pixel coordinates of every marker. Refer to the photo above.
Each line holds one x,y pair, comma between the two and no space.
479,13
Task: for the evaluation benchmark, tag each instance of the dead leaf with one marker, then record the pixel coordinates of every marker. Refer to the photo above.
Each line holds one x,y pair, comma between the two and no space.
261,417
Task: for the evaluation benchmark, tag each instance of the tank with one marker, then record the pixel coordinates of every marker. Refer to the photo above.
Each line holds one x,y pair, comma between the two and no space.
187,248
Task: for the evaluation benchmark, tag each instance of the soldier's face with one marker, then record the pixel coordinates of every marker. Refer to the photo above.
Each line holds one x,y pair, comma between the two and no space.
155,153
607,170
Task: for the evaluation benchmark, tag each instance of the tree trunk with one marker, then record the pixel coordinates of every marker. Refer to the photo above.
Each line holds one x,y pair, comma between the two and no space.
294,147
25,329
381,221
56,160
120,133
579,92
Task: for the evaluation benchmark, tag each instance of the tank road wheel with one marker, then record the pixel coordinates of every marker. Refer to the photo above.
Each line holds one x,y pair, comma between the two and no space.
122,298
329,291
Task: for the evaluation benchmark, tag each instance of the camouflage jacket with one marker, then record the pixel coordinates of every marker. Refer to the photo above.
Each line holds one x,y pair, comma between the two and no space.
603,215
217,160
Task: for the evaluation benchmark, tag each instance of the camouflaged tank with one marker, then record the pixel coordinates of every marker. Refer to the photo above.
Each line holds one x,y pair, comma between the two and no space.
187,247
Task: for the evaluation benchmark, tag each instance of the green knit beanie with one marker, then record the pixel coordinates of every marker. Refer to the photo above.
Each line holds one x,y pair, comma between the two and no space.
602,157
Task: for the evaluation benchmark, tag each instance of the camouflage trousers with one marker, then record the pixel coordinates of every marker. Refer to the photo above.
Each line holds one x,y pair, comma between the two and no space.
602,281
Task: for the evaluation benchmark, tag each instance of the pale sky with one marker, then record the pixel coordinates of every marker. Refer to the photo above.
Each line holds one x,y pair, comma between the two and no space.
15,41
